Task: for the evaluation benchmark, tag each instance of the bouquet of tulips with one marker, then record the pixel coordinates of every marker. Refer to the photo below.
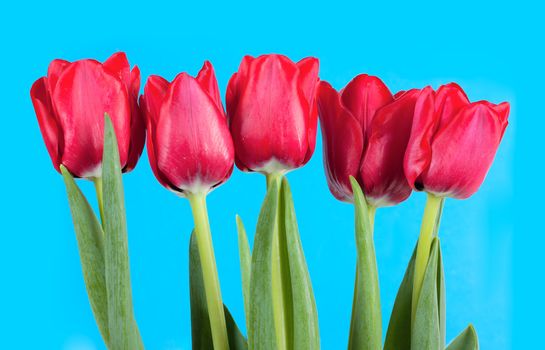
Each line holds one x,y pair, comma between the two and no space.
377,148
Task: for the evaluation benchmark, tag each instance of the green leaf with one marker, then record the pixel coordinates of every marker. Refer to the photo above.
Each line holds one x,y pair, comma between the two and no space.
245,266
200,322
123,330
305,317
262,332
398,336
467,340
366,323
426,332
441,297
91,250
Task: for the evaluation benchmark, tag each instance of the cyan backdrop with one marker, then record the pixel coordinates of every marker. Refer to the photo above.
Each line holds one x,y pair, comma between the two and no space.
491,242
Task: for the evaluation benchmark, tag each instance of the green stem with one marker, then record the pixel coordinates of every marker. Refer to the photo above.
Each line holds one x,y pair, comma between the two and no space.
97,181
430,221
372,212
209,271
271,178
280,273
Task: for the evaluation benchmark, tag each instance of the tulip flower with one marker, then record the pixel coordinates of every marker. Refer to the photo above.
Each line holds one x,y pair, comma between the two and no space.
272,113
365,132
452,145
189,145
70,103
453,142
191,152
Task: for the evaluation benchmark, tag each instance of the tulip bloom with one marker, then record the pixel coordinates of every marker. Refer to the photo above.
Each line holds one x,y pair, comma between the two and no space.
453,142
189,145
365,131
70,103
272,112
191,151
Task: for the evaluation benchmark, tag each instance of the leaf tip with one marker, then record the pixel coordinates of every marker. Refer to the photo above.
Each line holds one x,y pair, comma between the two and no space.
240,224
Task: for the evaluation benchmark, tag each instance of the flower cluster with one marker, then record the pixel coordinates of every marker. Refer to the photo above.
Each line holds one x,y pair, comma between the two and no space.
378,147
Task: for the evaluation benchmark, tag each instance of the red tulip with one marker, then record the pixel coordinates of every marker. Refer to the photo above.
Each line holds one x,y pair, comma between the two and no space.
453,142
189,145
272,112
70,104
365,131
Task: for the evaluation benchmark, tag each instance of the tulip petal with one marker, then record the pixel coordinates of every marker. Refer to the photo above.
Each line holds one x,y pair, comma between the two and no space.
118,65
231,96
308,80
150,131
399,94
134,87
503,111
384,181
56,67
155,91
208,82
449,100
192,142
270,124
363,96
342,142
138,124
233,88
83,93
46,119
308,76
150,103
418,153
459,171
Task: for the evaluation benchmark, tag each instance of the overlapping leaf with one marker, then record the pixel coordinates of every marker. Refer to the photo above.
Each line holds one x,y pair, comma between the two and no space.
89,235
245,266
366,324
467,340
426,330
123,330
201,332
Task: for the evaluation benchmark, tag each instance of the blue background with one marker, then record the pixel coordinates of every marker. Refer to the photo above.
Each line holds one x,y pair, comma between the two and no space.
492,242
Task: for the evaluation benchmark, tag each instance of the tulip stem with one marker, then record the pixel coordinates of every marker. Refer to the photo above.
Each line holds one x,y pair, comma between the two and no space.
372,211
97,181
209,271
280,275
428,229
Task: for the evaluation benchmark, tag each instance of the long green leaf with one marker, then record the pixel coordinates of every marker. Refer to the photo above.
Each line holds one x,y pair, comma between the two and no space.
245,266
201,332
305,317
467,340
91,250
366,323
426,333
398,336
262,333
441,298
123,331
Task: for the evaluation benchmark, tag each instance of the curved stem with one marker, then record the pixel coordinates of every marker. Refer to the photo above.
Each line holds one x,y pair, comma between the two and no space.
430,220
209,271
97,181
